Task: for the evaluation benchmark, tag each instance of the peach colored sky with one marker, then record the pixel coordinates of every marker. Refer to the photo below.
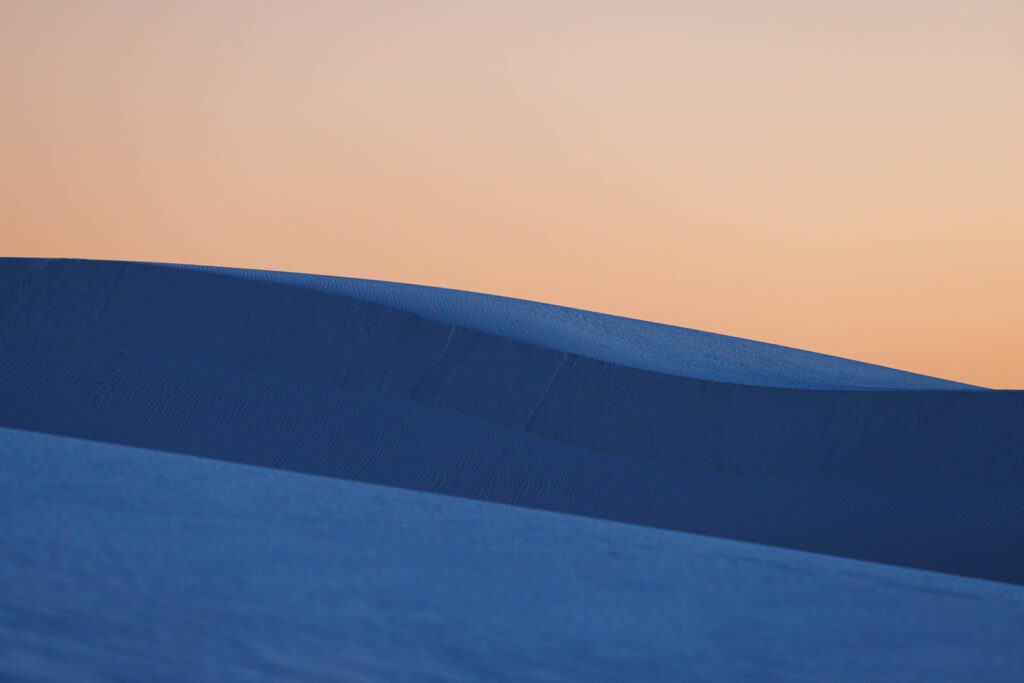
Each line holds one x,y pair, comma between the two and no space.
838,176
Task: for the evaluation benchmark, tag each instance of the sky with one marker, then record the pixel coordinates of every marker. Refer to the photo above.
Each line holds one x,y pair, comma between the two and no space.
844,177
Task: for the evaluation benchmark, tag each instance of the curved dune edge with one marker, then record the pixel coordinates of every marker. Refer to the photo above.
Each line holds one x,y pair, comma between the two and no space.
295,378
638,344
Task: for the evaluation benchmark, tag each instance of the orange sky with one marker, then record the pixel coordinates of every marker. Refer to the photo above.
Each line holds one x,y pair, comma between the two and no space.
846,177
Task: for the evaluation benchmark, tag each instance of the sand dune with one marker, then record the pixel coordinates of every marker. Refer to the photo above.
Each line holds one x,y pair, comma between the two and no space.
125,564
517,402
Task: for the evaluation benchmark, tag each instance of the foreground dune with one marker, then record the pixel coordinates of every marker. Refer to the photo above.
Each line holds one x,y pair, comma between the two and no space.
522,403
125,564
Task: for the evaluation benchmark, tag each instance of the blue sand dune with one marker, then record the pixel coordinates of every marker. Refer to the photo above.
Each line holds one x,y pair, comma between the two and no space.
444,392
124,564
123,558
621,341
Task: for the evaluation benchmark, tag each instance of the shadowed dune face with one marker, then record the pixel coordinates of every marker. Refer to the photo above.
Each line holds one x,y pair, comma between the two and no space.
377,383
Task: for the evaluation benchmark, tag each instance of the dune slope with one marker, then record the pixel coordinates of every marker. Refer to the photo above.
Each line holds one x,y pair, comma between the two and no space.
120,563
522,403
621,341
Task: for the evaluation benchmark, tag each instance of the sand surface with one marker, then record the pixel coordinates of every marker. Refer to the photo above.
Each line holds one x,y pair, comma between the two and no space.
211,473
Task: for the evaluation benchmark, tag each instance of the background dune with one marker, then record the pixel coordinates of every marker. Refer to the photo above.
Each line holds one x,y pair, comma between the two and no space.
321,378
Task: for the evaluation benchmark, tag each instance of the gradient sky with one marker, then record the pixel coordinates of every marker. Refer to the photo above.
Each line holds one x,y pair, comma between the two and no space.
846,177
